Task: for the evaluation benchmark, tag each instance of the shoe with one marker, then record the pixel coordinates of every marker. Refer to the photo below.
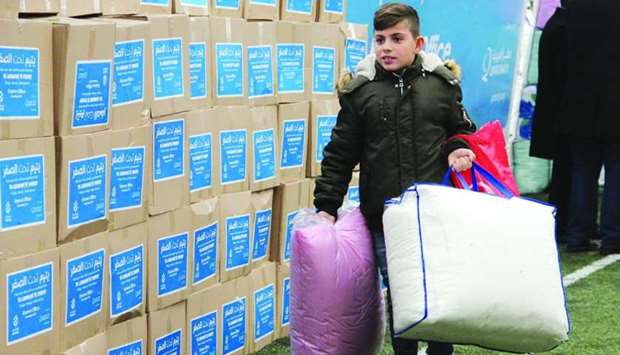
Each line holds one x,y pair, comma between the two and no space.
584,248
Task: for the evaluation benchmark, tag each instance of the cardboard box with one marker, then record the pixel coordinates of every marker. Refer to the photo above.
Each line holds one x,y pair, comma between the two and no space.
234,132
170,57
204,319
205,244
39,7
227,8
29,293
169,258
235,224
120,7
130,176
155,7
230,81
283,302
84,279
28,197
92,346
293,61
127,264
132,91
9,9
260,40
265,168
312,183
200,59
353,45
83,65
298,10
293,137
324,65
332,11
129,337
262,217
288,200
83,175
235,316
74,8
167,330
263,291
204,155
261,10
27,109
191,7
170,189
323,116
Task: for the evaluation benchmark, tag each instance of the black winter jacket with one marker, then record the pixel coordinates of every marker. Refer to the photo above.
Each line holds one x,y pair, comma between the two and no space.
398,129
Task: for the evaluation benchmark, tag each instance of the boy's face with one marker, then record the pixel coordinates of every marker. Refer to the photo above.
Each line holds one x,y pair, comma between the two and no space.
396,47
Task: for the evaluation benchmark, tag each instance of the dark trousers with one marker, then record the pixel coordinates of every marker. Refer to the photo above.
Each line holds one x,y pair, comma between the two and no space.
588,159
401,346
559,193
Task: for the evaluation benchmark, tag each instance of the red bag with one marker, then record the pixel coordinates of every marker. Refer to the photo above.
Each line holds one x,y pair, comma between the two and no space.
489,145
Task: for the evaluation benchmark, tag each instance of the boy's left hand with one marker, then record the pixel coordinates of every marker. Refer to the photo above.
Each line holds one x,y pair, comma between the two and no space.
461,159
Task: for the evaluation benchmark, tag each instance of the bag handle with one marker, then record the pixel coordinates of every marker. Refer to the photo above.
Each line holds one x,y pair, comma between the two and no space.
478,171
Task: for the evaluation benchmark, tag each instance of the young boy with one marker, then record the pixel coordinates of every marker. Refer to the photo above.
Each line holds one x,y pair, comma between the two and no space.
398,115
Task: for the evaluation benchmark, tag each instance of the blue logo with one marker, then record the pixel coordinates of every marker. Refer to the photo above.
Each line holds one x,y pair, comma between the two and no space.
205,253
128,73
168,149
227,4
168,68
169,344
264,155
354,194
293,144
289,235
286,302
127,172
300,6
290,64
198,70
234,319
172,264
355,51
229,69
19,83
260,71
204,334
22,192
323,70
232,156
325,125
195,3
262,231
84,286
87,190
135,348
200,162
333,6
91,98
126,280
29,303
237,241
264,312
263,2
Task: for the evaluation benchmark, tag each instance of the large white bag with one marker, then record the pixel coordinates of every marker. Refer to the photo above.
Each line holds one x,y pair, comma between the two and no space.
472,268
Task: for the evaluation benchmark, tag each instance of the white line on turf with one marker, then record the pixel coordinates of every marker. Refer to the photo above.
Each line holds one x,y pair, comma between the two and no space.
590,269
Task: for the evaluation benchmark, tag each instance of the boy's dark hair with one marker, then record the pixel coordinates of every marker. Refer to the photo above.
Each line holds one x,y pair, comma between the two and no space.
391,14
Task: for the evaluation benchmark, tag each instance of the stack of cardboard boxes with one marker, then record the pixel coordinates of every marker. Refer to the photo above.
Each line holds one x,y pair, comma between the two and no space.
153,157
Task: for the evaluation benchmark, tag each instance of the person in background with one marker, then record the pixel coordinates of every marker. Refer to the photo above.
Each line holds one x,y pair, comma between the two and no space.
397,117
592,122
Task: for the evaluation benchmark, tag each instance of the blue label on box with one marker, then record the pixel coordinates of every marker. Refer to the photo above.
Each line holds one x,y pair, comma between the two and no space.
22,192
135,348
289,235
128,72
227,4
205,253
334,6
204,334
300,6
198,70
354,194
91,98
87,190
232,156
237,241
293,144
263,2
290,64
195,3
325,125
382,282
264,312
169,344
171,264
29,302
323,70
264,155
354,52
262,231
84,286
168,68
200,162
229,69
127,172
286,302
233,332
155,2
19,83
260,71
168,149
126,280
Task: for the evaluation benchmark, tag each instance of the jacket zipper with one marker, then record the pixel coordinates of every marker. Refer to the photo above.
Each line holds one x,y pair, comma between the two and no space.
401,85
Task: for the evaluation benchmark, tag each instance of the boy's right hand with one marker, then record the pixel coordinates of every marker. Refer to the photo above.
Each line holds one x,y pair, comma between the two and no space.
327,217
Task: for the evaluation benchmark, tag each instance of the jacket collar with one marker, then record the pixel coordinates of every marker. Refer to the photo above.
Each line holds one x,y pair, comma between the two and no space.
370,68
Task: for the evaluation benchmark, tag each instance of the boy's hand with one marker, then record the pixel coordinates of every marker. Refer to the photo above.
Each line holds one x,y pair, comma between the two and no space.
327,217
461,159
